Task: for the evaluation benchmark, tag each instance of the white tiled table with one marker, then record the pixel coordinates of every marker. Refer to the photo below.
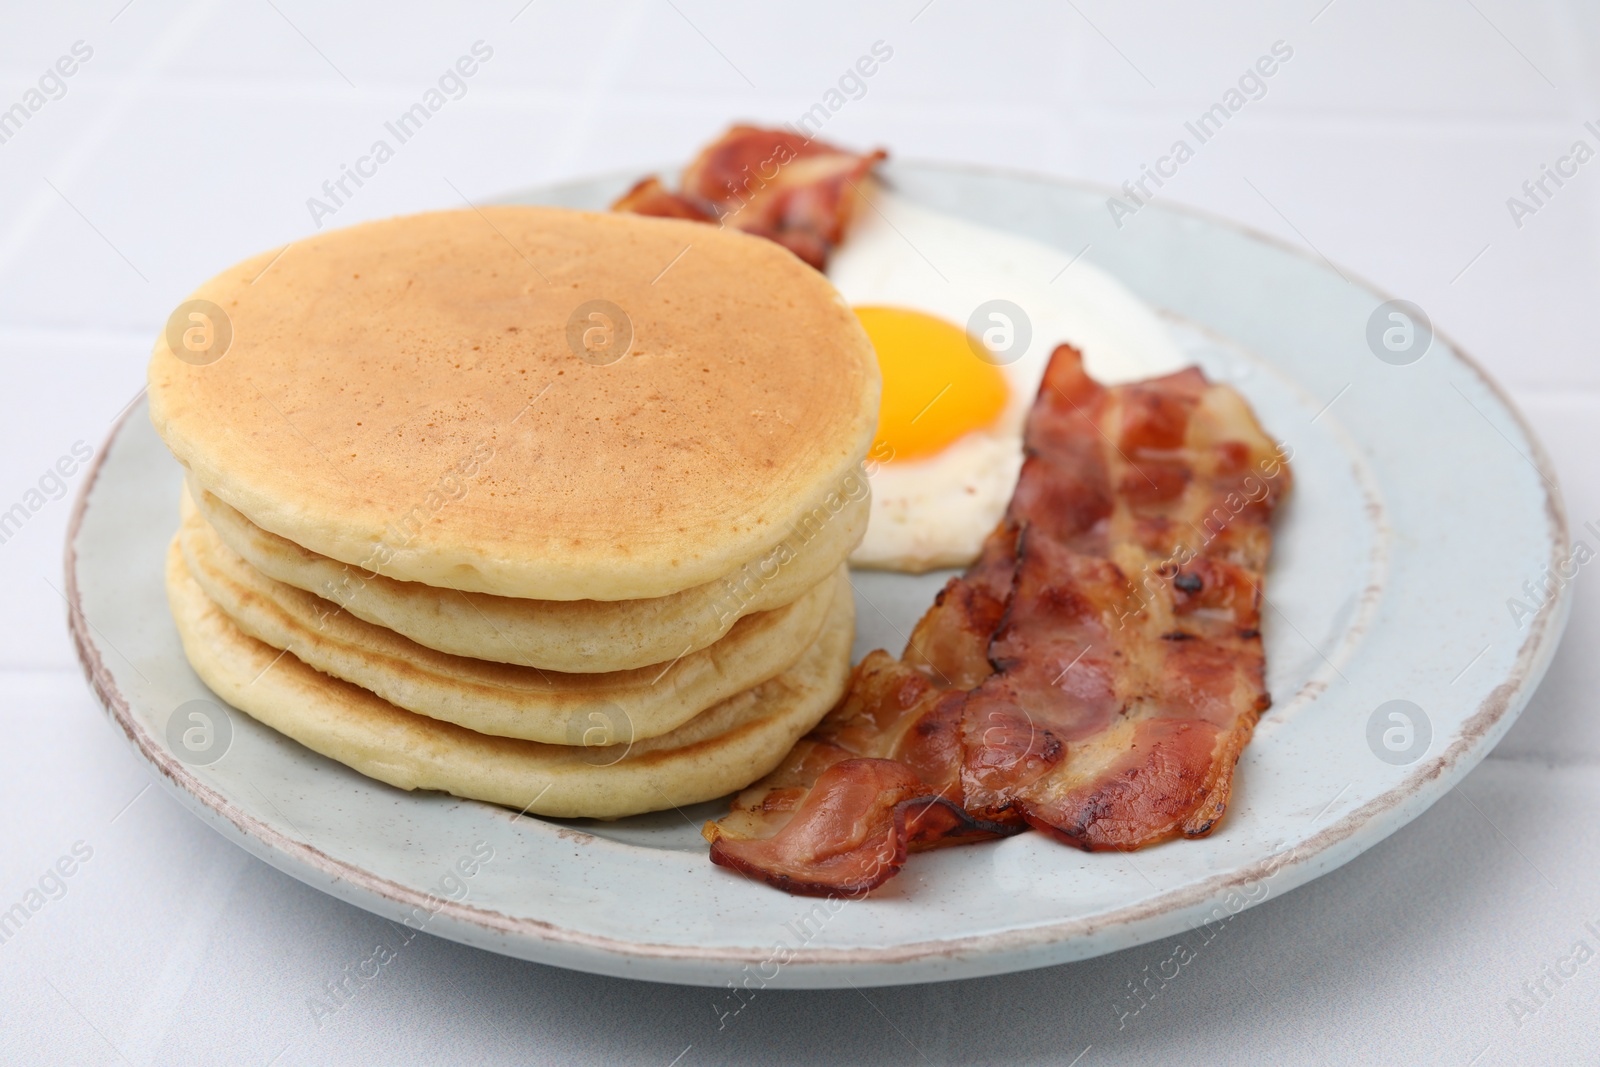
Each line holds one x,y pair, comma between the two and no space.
195,133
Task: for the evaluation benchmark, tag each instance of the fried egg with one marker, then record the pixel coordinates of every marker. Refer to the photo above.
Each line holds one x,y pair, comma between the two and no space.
964,319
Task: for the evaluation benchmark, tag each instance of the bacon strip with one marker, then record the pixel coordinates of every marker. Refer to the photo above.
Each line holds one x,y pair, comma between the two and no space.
1094,675
775,184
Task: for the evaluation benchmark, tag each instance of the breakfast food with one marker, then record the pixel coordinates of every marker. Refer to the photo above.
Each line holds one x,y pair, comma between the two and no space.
579,636
389,367
629,448
795,190
499,698
725,743
962,316
1094,675
551,509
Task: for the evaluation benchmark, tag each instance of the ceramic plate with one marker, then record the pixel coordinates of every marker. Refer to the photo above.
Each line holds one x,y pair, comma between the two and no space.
1422,505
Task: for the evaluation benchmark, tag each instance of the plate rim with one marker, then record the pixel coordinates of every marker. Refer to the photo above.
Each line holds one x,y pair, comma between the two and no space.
1505,700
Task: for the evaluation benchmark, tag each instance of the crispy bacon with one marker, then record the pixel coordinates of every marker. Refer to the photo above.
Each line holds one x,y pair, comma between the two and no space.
1094,675
651,197
816,826
776,184
847,836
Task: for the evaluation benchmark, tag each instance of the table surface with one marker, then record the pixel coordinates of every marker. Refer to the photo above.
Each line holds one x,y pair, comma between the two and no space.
193,134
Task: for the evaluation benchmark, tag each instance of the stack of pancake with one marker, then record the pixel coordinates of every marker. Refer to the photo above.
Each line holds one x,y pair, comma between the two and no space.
538,507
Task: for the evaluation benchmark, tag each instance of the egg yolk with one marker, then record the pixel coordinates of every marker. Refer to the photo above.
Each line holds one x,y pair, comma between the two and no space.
935,388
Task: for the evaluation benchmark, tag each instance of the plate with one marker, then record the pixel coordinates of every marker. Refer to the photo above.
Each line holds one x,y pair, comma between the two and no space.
1401,643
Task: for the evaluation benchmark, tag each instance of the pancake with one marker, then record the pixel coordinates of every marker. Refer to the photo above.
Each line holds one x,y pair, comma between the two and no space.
577,636
497,698
723,749
432,396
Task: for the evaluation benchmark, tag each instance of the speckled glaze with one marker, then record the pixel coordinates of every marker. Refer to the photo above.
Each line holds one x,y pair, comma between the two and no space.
1422,504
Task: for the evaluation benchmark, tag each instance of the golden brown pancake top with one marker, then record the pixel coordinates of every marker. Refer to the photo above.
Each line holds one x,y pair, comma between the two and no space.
406,395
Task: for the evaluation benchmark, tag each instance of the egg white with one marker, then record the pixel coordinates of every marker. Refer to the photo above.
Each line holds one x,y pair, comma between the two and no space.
935,511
